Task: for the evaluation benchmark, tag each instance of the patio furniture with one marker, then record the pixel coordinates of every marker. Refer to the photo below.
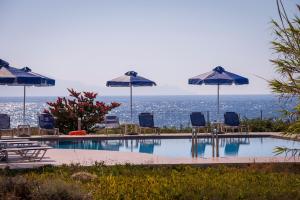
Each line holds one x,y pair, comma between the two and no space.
232,122
13,140
46,124
5,125
23,131
130,128
26,149
146,122
21,143
217,127
198,122
31,153
112,123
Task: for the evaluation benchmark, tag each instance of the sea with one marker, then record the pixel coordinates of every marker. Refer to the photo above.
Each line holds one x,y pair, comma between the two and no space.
169,111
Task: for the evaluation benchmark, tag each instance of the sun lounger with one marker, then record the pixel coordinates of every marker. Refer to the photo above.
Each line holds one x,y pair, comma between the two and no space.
23,130
14,144
34,153
5,125
198,122
232,122
30,150
146,121
112,123
13,140
46,124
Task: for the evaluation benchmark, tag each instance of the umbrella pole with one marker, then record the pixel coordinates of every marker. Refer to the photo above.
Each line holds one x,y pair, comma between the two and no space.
131,103
24,106
218,102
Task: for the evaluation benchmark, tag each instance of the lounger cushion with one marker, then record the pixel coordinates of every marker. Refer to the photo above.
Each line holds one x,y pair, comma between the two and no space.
231,119
4,121
197,119
46,121
111,121
146,120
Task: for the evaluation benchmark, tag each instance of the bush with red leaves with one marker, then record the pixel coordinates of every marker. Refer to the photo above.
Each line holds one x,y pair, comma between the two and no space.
81,105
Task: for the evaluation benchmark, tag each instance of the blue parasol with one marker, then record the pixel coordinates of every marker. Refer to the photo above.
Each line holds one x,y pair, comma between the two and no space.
218,76
130,79
22,77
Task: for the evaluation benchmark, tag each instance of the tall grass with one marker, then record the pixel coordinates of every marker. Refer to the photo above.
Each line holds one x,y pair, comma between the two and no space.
158,182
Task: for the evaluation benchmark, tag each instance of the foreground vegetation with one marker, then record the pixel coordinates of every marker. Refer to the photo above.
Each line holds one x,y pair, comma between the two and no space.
266,125
286,45
144,182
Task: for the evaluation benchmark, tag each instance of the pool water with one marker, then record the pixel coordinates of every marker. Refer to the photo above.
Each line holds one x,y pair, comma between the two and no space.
204,147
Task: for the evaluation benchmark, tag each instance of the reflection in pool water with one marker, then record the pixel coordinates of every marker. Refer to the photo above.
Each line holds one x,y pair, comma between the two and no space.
202,147
233,144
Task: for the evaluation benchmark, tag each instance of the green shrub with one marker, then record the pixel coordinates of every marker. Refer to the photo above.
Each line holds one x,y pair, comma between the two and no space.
294,128
266,125
176,130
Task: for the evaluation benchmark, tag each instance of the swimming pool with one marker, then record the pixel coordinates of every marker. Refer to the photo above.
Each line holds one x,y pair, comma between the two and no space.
204,147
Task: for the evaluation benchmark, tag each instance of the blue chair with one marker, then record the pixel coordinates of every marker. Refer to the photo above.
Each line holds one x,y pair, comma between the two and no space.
198,121
146,122
46,123
5,125
232,122
112,123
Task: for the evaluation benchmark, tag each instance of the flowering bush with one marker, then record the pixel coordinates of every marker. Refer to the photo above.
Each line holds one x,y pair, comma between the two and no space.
81,105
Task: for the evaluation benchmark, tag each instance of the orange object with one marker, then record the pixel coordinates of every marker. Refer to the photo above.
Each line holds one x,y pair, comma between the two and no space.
80,132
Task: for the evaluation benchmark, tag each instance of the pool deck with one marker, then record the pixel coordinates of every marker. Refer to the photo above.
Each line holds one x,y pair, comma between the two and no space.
58,157
89,157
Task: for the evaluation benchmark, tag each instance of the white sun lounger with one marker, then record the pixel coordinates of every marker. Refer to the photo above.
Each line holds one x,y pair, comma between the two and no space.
18,144
32,153
13,140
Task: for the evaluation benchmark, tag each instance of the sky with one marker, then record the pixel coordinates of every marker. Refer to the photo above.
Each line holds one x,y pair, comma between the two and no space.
82,44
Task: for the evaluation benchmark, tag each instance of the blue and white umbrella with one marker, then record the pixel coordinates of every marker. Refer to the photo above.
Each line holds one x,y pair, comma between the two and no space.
11,76
130,79
218,76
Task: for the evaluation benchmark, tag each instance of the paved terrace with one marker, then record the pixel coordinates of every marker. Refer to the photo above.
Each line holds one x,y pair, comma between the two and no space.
89,157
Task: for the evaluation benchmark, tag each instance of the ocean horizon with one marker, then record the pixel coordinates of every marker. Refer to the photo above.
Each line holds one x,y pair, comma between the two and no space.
168,110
